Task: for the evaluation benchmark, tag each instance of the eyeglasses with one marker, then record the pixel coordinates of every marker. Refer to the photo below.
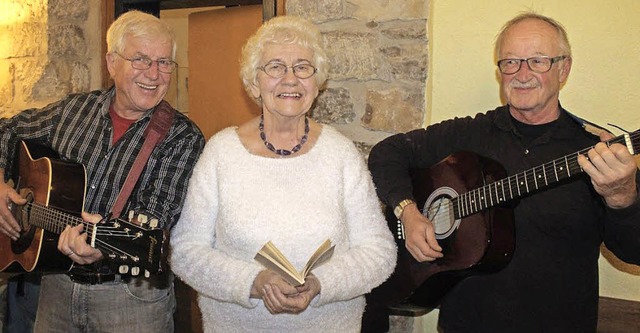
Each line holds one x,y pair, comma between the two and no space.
141,62
541,64
277,70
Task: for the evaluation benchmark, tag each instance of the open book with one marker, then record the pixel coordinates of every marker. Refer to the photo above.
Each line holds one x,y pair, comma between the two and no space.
273,259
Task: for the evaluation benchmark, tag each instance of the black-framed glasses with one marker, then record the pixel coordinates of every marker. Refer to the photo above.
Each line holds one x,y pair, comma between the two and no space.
166,66
277,70
540,64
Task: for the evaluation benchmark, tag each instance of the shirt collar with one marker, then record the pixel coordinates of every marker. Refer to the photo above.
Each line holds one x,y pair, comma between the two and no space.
567,126
105,99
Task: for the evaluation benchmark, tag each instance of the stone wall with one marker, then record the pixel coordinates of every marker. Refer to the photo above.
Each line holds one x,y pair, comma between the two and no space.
47,50
378,57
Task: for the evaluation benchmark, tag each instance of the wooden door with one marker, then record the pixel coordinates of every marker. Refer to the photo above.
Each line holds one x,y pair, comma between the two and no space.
216,96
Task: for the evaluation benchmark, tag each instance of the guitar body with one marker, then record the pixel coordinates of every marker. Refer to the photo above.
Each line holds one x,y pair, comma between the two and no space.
48,182
55,192
480,243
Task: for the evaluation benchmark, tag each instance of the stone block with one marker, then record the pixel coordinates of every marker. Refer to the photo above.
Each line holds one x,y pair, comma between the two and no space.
6,84
385,10
408,61
394,110
412,30
22,10
80,77
354,56
317,11
67,40
27,39
65,10
334,106
27,72
53,84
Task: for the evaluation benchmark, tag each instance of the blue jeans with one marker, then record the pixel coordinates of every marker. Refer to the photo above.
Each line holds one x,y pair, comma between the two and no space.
22,302
140,306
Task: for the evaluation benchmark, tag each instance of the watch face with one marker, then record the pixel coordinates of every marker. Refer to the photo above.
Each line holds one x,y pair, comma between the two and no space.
397,211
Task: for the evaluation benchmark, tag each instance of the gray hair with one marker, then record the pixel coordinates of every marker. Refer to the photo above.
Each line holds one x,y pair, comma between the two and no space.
563,39
138,24
282,30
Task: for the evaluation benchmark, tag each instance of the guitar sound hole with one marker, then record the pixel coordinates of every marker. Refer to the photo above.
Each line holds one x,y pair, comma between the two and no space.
439,209
441,215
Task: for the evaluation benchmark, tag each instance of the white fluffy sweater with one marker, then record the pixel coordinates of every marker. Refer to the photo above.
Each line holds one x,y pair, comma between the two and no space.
237,201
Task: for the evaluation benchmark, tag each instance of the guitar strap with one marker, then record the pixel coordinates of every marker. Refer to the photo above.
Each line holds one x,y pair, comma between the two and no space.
588,126
159,125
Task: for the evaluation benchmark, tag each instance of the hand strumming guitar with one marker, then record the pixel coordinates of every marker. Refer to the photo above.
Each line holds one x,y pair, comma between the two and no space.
8,196
420,236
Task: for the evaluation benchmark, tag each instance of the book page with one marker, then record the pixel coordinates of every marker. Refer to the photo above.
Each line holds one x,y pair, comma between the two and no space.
322,254
270,257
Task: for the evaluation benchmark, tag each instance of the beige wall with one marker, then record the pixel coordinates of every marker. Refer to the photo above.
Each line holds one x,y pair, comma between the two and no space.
603,86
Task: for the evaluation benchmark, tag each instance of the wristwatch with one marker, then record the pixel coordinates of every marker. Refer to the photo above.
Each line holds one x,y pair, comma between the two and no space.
401,206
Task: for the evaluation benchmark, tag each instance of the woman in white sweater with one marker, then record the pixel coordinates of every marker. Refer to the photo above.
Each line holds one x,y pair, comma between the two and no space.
284,178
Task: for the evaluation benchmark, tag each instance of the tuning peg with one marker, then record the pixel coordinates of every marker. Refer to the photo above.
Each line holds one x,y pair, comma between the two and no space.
146,273
135,270
153,223
131,215
123,269
142,219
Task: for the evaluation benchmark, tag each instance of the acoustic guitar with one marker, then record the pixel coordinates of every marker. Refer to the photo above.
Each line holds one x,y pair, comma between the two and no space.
54,191
467,197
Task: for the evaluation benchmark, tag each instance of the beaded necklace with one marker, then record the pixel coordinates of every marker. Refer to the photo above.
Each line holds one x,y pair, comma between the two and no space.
283,152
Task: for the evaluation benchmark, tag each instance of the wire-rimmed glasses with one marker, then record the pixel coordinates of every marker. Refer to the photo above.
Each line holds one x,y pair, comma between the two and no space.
277,70
166,66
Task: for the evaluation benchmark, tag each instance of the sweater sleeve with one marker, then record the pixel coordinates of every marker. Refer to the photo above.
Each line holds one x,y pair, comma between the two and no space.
194,257
371,255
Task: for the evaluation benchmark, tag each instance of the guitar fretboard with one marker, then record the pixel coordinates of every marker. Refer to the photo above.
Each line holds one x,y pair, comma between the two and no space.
525,182
56,221
50,219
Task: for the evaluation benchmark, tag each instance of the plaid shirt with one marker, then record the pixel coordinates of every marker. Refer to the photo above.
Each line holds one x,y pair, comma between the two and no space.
79,129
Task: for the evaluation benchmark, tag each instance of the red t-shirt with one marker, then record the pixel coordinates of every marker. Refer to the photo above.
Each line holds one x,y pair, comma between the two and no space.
120,125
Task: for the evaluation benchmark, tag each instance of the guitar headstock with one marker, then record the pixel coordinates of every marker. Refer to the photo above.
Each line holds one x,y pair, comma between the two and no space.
134,247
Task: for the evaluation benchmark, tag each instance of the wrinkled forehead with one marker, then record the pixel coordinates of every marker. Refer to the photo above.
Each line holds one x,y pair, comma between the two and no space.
286,52
528,38
157,45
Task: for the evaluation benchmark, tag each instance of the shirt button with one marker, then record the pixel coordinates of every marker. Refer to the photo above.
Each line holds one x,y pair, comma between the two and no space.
526,151
93,187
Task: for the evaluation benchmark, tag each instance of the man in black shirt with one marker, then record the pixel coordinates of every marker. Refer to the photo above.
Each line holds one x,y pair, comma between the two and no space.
561,214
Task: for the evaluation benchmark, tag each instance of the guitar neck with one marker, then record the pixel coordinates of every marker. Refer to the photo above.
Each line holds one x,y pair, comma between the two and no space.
518,185
50,219
56,221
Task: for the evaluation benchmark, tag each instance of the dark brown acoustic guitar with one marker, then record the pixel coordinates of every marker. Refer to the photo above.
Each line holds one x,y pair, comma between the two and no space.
467,197
55,192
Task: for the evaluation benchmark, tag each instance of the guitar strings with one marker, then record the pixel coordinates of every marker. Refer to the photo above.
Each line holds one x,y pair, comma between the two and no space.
46,218
476,200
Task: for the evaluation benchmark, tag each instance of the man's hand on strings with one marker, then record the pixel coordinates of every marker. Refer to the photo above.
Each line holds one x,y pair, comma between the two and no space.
612,170
73,241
